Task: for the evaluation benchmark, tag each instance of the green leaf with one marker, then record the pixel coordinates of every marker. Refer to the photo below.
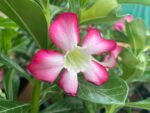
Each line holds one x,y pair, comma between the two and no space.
119,36
114,91
99,20
29,16
133,67
144,104
11,84
136,32
130,60
7,106
100,9
144,2
7,23
67,105
10,63
46,8
146,75
6,36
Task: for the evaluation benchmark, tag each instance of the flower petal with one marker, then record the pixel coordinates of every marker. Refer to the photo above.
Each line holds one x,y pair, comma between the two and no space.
129,18
46,65
116,51
96,73
95,44
69,82
64,31
110,60
119,26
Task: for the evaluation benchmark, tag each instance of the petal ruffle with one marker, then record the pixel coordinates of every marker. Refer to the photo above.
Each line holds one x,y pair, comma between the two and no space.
69,82
64,31
95,44
110,60
96,73
46,65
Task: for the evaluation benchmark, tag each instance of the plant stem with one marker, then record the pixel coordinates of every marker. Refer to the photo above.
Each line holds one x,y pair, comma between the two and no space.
36,96
111,109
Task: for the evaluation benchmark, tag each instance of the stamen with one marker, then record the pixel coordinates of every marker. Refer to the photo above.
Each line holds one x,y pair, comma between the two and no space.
77,59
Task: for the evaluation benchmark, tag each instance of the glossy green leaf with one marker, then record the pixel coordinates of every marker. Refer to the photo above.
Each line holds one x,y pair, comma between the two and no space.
67,105
133,68
46,9
100,9
144,2
10,63
11,84
144,104
146,75
136,32
7,106
6,37
7,23
114,91
119,36
29,16
99,20
130,60
86,3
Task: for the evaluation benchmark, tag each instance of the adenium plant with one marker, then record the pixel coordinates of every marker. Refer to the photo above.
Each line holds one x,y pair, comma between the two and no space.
74,56
47,64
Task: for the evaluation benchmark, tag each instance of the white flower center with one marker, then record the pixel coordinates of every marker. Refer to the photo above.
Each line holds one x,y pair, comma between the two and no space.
77,59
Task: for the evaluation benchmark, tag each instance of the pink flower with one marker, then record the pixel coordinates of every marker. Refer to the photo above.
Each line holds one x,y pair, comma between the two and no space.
64,33
120,24
110,59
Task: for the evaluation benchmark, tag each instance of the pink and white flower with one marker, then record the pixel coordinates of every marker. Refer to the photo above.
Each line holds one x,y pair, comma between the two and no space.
64,33
120,24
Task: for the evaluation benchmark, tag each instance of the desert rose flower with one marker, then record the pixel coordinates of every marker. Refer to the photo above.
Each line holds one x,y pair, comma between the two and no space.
64,33
120,24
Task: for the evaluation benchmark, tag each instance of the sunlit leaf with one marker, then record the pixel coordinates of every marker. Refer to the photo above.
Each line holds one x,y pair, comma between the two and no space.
7,106
29,16
144,104
113,92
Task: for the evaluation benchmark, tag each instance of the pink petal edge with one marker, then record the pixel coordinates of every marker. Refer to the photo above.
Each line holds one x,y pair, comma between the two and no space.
64,31
46,65
110,60
95,44
69,82
96,73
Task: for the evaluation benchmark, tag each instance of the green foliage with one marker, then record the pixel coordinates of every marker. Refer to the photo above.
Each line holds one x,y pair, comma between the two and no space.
115,91
136,32
67,105
10,63
29,16
11,84
99,12
144,104
34,17
7,106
